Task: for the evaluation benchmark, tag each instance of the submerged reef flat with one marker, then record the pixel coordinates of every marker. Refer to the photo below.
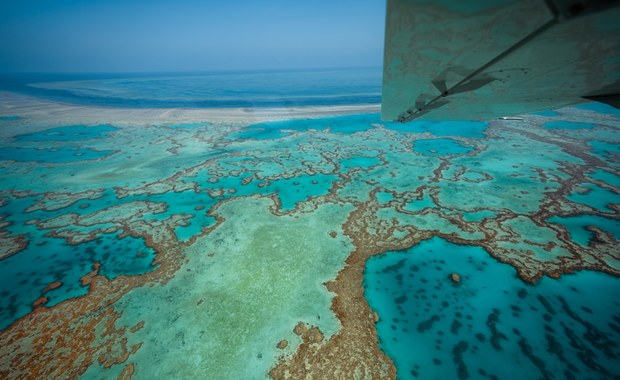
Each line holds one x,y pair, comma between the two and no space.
178,243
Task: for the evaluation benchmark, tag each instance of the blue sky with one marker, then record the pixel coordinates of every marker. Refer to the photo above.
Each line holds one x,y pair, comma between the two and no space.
188,35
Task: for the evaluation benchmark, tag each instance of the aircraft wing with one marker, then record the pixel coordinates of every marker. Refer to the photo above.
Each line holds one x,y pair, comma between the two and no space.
483,59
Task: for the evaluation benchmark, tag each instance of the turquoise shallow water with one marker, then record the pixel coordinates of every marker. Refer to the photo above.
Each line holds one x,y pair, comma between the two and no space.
52,155
47,259
419,204
470,129
358,123
576,226
599,107
478,216
548,113
59,149
440,147
605,149
567,125
491,324
68,133
358,162
8,118
186,125
610,178
595,197
339,124
67,264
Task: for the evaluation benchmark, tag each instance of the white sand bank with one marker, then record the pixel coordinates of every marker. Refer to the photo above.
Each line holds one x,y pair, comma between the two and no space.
35,109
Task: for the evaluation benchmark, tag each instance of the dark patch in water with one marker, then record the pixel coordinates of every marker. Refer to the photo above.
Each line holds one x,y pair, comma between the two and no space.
586,309
555,347
568,375
395,267
614,327
457,357
456,325
546,304
585,355
496,335
527,350
400,299
428,324
593,335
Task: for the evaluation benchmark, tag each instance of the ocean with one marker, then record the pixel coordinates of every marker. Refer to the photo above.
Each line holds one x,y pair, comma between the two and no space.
248,225
286,88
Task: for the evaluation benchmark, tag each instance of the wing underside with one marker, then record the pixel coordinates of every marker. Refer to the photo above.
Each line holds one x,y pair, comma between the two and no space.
483,59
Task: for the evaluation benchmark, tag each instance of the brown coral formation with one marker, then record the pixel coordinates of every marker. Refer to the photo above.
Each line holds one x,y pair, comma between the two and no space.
64,340
455,277
354,351
10,244
127,372
73,334
57,201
